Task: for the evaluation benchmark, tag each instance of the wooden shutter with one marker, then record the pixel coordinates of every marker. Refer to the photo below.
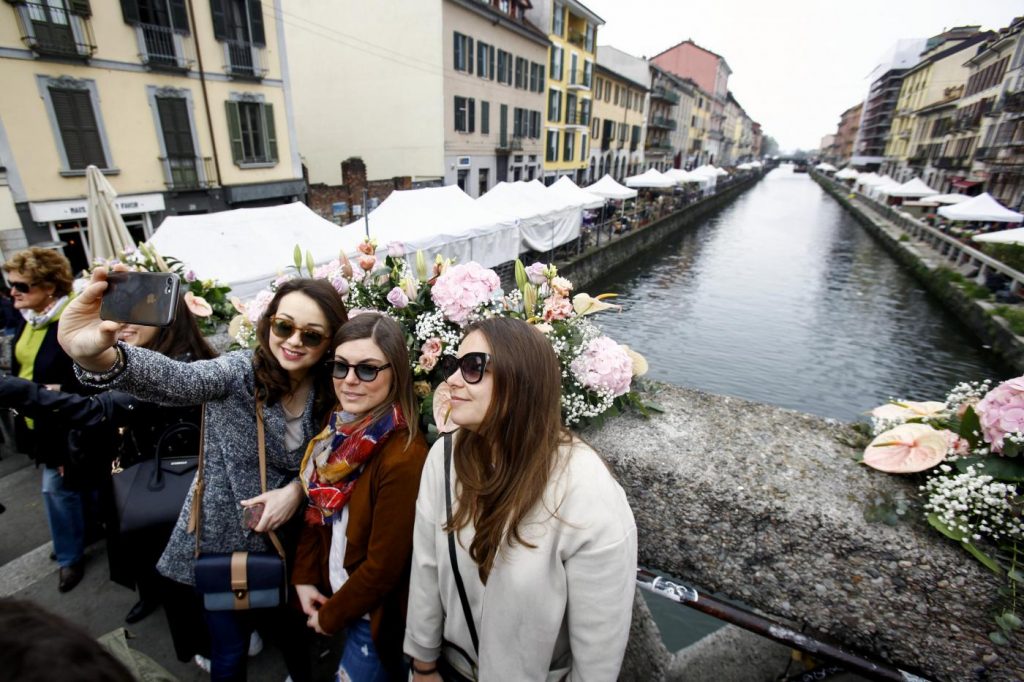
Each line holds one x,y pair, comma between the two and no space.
179,16
268,123
80,7
130,11
485,117
490,59
177,128
256,33
469,56
78,129
471,114
234,131
220,26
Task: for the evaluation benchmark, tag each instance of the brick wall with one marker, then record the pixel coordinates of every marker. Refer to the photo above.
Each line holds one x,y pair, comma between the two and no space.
322,197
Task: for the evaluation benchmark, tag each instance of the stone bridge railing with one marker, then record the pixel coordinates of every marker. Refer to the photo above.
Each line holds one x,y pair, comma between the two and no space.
768,506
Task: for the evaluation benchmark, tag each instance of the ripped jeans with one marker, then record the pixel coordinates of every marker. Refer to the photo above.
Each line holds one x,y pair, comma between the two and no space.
359,660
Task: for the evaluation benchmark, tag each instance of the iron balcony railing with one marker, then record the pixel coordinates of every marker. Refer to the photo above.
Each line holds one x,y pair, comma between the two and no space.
578,39
663,93
950,162
160,47
510,144
188,172
580,78
577,117
1014,101
658,147
54,31
663,122
244,60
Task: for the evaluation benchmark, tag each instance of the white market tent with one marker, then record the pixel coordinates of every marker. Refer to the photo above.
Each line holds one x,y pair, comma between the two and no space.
438,220
572,192
826,167
681,176
982,208
609,189
246,248
1014,236
945,199
545,220
651,178
912,188
848,173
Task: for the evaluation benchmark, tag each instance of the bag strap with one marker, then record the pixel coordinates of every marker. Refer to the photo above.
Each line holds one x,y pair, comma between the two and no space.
195,525
451,543
261,440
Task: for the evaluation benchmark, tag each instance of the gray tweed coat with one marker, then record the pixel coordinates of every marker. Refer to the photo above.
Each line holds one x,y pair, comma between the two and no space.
232,470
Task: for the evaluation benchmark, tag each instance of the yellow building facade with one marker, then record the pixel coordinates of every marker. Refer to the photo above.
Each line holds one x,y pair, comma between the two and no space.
700,120
183,112
618,125
572,57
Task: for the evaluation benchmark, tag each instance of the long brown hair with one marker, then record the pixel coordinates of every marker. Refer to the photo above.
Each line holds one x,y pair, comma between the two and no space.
503,468
272,381
182,340
390,338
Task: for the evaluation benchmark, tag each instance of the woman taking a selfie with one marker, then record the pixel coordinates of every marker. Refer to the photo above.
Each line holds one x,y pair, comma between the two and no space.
361,475
535,518
285,379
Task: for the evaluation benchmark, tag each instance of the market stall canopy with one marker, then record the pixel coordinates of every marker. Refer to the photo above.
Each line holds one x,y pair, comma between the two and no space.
248,247
912,188
108,235
544,219
1014,236
650,178
945,198
439,220
982,208
826,167
609,189
708,168
681,176
848,173
572,192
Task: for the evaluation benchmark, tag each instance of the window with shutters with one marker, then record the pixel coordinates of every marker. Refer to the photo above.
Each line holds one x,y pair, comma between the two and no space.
484,69
239,25
465,114
251,127
521,73
160,26
556,64
551,151
57,28
504,67
535,125
182,168
485,118
568,148
463,53
554,106
73,108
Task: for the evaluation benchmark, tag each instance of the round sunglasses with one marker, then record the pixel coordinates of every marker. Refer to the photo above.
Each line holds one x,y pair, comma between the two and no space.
364,372
472,366
283,328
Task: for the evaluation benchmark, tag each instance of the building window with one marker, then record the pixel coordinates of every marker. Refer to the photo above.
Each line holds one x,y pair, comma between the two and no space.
504,67
535,125
598,87
588,41
567,150
536,77
483,181
595,127
584,112
181,170
556,63
521,73
462,178
463,53
56,27
251,127
485,118
551,153
73,107
464,114
554,106
558,20
484,60
239,25
160,24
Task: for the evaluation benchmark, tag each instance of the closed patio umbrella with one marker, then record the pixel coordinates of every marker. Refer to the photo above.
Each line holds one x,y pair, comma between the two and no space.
108,236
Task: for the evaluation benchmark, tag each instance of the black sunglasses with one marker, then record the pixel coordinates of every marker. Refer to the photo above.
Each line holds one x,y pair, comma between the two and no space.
283,328
364,372
472,366
23,287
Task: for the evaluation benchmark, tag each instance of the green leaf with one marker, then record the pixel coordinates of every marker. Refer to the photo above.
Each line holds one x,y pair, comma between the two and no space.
297,258
1017,575
998,638
310,263
958,535
653,406
1011,619
970,427
521,278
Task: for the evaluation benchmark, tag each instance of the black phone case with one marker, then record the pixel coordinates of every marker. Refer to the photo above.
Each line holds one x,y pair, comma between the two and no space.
146,298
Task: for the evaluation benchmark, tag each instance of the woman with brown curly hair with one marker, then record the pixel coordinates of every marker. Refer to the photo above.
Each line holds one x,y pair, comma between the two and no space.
528,513
285,375
40,282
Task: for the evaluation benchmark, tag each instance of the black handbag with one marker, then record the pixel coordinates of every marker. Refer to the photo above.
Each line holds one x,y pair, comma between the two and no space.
233,581
152,492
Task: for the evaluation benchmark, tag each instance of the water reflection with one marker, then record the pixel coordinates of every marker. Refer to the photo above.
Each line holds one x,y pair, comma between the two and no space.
783,298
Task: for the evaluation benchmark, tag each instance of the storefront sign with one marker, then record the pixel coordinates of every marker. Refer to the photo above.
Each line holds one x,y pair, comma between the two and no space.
52,211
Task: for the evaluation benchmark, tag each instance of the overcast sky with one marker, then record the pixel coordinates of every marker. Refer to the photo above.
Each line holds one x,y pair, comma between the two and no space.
796,64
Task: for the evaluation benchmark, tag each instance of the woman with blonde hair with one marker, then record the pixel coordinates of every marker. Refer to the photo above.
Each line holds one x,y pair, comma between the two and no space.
516,506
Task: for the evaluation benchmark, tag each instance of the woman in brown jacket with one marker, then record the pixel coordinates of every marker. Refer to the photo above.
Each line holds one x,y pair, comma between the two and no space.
361,475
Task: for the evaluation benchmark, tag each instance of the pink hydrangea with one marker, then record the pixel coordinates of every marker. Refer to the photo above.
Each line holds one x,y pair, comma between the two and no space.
604,366
1001,412
463,288
254,310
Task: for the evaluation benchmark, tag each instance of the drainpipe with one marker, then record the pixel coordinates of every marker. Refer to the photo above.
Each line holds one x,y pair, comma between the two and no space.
206,96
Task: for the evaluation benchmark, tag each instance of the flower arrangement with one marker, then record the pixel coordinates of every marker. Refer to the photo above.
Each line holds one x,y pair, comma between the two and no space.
969,450
435,302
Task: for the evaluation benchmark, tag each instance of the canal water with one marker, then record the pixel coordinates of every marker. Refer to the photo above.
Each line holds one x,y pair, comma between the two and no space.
783,298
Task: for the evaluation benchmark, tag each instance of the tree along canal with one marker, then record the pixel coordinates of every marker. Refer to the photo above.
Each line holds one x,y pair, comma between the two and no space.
783,298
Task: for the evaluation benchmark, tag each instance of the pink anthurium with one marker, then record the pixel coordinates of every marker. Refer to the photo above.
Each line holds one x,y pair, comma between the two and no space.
906,449
198,305
443,408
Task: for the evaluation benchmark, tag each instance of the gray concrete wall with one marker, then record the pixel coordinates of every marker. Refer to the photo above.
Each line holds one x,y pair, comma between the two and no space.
767,506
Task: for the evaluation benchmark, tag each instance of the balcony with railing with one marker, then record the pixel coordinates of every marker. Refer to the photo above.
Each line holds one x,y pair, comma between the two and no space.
54,32
506,144
244,60
578,38
658,146
950,162
162,48
663,93
579,79
577,116
184,173
1014,101
663,123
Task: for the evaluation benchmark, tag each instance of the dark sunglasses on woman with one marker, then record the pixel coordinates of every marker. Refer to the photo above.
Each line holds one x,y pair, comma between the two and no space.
472,366
283,328
23,287
364,372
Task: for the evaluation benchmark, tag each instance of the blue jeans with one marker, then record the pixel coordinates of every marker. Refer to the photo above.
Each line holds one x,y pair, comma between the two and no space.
359,660
65,512
229,641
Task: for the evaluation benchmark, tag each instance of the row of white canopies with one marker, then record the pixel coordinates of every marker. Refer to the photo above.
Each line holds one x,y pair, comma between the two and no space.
246,248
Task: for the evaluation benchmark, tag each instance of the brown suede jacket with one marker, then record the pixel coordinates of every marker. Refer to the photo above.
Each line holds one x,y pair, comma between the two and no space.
378,554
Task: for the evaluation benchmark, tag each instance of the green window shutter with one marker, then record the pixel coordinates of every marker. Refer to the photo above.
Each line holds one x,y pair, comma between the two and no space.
80,7
177,129
472,114
256,33
469,56
179,16
220,25
78,129
234,131
485,117
268,122
490,59
130,11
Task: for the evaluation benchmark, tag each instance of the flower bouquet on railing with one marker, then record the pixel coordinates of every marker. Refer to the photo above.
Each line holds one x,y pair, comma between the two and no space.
970,450
434,301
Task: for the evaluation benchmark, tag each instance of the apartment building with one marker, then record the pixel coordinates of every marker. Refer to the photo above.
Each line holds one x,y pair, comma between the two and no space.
876,119
495,94
697,153
618,125
679,133
846,131
572,31
665,98
184,106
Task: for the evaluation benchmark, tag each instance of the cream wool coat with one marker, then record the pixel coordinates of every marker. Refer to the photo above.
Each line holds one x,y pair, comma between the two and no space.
560,608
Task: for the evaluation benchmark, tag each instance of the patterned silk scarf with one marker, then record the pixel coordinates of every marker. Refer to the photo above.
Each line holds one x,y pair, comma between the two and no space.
335,459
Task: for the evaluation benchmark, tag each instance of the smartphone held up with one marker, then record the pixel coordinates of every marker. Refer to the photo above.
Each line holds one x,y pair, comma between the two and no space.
145,298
